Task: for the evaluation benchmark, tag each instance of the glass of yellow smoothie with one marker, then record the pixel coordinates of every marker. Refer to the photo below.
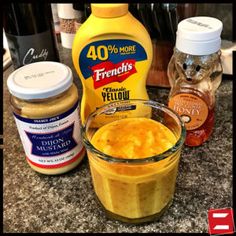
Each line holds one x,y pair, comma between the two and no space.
133,158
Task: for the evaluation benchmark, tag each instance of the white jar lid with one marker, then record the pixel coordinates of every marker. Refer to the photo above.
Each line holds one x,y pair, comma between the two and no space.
66,11
199,35
40,80
67,40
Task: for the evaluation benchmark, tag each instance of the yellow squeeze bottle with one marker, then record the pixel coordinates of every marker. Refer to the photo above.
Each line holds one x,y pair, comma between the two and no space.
112,53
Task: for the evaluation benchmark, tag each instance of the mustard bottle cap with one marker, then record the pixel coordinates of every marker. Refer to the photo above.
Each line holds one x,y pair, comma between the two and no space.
109,10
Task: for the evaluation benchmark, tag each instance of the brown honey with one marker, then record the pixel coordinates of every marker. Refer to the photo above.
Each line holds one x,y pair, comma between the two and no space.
194,73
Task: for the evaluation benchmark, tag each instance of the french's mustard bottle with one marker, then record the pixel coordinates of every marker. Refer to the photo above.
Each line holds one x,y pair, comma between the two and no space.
112,54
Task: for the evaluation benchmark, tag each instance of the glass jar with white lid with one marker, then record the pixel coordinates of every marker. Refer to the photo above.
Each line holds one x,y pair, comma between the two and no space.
45,106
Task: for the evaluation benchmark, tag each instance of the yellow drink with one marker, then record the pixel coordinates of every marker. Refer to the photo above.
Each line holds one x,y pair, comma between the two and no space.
134,191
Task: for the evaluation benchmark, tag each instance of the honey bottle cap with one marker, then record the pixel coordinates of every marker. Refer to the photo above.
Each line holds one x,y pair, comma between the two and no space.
199,35
109,10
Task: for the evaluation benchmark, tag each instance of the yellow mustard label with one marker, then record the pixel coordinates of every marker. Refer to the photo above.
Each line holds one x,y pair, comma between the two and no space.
112,70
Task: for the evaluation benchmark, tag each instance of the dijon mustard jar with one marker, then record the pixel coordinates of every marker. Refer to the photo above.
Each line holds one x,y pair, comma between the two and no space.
45,106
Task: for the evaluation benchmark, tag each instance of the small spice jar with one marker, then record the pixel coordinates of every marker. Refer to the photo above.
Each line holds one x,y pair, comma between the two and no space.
67,16
45,107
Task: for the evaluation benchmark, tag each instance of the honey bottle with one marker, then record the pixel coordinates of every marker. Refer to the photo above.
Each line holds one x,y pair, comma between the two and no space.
194,73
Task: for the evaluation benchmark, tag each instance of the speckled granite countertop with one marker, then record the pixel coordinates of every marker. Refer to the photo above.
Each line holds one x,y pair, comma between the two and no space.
67,203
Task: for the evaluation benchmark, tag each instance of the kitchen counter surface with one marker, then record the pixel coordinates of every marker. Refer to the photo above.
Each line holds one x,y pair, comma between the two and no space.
37,203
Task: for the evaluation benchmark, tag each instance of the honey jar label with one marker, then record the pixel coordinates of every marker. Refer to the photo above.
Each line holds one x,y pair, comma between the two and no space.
51,142
191,108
